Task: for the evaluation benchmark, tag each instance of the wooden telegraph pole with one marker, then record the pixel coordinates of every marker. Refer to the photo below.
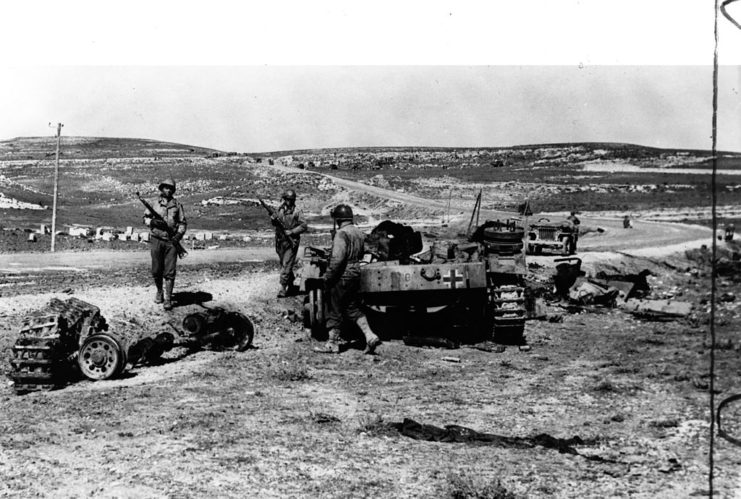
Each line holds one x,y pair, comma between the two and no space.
56,183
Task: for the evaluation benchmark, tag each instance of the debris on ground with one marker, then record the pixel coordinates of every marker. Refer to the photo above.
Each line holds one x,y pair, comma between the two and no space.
630,285
588,292
430,341
461,434
658,310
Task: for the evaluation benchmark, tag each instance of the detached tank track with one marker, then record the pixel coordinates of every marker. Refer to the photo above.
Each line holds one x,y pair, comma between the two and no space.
506,291
509,313
42,357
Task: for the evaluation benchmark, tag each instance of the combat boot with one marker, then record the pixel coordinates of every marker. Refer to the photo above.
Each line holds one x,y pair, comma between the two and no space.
371,340
333,343
158,297
283,291
169,283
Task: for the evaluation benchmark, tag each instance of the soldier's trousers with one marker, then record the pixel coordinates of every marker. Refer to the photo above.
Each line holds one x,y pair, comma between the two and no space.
287,258
164,258
343,302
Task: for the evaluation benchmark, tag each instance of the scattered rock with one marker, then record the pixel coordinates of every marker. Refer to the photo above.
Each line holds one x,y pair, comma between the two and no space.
727,297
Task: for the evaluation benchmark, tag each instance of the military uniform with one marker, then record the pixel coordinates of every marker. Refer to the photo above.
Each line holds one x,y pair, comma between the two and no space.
161,243
292,219
342,282
576,222
342,278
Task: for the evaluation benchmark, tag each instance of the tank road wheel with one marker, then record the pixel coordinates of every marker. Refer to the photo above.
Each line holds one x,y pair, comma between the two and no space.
314,311
101,357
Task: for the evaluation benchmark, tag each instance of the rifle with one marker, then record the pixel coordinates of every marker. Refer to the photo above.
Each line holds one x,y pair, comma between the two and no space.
277,223
170,232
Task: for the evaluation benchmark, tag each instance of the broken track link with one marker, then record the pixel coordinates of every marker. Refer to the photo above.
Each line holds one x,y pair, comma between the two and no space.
42,357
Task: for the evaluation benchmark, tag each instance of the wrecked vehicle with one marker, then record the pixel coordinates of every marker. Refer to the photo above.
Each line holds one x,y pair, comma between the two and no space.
560,237
66,339
465,291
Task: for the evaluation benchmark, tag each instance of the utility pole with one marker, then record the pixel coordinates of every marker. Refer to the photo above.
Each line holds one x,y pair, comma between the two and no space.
56,184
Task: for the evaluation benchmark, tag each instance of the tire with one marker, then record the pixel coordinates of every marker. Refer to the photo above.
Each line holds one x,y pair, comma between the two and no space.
534,249
567,243
572,248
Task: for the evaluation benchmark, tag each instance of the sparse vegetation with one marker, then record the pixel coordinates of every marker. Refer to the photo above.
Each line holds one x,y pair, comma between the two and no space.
465,486
278,420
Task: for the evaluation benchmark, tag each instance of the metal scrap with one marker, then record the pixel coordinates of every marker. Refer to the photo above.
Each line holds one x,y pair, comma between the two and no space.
658,310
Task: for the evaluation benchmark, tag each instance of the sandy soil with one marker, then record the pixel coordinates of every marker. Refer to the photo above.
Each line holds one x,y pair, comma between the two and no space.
280,420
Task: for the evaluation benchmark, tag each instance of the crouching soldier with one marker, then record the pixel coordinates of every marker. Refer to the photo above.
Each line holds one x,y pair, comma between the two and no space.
290,224
342,282
164,236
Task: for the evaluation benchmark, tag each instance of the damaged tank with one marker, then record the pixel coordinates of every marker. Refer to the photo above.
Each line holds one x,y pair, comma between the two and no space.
462,291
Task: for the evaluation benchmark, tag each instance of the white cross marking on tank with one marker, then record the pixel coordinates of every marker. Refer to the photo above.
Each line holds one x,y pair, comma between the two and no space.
452,278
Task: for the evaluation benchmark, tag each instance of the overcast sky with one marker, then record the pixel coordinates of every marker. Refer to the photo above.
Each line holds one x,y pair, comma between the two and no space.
427,74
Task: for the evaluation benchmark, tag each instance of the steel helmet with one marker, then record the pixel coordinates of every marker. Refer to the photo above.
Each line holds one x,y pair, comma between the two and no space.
168,181
342,212
290,194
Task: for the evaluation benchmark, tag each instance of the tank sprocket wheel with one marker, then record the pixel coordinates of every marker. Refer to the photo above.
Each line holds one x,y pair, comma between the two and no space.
242,329
101,357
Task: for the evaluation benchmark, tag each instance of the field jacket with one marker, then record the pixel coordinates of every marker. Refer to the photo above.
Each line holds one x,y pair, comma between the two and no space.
294,223
348,246
173,213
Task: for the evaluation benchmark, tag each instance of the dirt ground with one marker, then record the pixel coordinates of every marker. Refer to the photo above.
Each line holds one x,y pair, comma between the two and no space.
281,421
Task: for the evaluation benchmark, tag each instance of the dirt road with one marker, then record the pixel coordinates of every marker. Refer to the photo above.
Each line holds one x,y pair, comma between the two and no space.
648,237
645,239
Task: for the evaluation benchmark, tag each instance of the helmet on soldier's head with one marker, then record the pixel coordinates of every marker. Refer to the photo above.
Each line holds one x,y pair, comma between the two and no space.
290,194
169,182
342,212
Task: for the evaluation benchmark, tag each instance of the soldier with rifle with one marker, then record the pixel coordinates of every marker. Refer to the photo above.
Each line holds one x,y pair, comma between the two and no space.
342,282
167,224
289,224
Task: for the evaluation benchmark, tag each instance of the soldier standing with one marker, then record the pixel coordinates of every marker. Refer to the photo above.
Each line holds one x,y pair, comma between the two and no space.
342,282
576,222
164,234
287,239
573,219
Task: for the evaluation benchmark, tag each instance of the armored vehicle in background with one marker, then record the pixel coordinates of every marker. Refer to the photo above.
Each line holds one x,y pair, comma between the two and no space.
560,237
